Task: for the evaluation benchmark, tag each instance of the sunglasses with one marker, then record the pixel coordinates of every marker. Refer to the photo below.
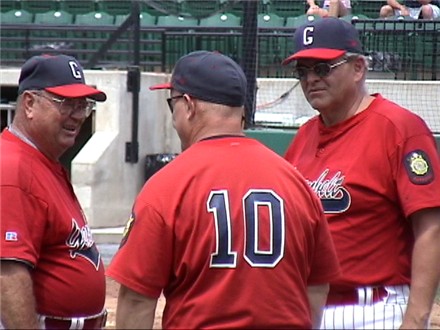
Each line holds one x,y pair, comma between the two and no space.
170,101
322,69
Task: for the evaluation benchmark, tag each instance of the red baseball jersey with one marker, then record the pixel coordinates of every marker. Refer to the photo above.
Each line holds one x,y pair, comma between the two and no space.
232,234
43,226
371,173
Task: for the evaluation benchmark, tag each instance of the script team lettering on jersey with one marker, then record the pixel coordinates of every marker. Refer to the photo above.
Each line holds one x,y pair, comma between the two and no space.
81,243
330,190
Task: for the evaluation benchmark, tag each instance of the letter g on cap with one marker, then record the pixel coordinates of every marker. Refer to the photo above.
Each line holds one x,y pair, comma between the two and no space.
308,35
76,71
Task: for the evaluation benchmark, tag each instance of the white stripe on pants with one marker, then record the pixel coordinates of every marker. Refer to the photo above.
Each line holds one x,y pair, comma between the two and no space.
386,314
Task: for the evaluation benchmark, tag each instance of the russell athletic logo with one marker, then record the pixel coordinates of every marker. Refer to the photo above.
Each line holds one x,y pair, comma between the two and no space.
81,243
334,197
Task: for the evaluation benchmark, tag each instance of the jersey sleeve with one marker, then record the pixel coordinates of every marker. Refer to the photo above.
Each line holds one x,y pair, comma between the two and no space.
144,260
417,173
23,221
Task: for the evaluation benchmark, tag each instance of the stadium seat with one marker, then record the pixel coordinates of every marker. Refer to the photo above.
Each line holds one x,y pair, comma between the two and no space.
39,6
175,21
145,19
221,20
53,17
94,18
76,7
295,22
351,17
270,21
16,17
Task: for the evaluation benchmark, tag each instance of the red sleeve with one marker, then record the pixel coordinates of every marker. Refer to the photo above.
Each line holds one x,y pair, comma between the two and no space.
418,173
22,226
144,260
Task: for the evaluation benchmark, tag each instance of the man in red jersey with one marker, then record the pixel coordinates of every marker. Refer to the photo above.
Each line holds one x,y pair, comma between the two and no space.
375,167
52,276
229,231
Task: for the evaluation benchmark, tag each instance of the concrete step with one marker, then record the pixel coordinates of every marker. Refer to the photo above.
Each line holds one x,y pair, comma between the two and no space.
111,235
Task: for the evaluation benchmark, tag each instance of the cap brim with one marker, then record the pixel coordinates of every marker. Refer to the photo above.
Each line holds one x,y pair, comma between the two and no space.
315,53
161,86
78,90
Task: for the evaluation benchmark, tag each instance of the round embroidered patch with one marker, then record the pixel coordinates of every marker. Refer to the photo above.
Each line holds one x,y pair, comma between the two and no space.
418,167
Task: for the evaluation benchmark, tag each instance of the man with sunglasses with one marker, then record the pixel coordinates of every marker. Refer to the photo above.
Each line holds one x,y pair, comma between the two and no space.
228,230
52,276
375,167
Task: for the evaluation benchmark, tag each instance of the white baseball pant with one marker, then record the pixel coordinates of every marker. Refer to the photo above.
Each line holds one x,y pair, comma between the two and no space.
385,314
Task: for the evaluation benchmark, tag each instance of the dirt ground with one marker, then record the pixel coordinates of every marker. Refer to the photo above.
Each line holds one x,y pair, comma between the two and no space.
112,295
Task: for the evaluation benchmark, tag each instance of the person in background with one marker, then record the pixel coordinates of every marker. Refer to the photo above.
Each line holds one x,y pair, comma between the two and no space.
229,231
51,272
376,169
416,9
333,8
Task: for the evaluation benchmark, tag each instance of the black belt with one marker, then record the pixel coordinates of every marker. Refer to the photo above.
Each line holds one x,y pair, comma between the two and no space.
356,296
89,322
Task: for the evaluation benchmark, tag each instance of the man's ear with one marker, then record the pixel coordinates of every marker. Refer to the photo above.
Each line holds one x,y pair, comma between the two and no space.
359,68
28,102
190,106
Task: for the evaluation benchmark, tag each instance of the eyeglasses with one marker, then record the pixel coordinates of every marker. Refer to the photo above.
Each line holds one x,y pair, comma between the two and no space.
170,101
68,106
322,69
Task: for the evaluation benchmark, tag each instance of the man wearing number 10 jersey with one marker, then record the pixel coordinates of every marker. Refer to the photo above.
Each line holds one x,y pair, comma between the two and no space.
228,231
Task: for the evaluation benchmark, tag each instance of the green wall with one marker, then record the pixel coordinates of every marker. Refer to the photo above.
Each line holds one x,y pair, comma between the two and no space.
276,139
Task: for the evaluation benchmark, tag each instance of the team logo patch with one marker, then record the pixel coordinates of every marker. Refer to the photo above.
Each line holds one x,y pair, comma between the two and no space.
127,230
418,167
335,198
81,244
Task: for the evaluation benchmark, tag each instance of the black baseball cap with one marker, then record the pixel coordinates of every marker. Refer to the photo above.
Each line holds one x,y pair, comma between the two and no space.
60,74
325,39
208,76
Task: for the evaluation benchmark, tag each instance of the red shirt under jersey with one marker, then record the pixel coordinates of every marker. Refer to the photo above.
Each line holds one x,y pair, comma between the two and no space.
371,173
232,234
43,226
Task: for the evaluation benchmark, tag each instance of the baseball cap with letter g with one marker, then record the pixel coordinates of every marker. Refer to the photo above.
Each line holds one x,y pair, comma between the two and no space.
61,75
325,39
208,76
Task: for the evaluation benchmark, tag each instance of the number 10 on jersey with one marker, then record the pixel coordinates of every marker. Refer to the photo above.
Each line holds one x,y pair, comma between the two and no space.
253,200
